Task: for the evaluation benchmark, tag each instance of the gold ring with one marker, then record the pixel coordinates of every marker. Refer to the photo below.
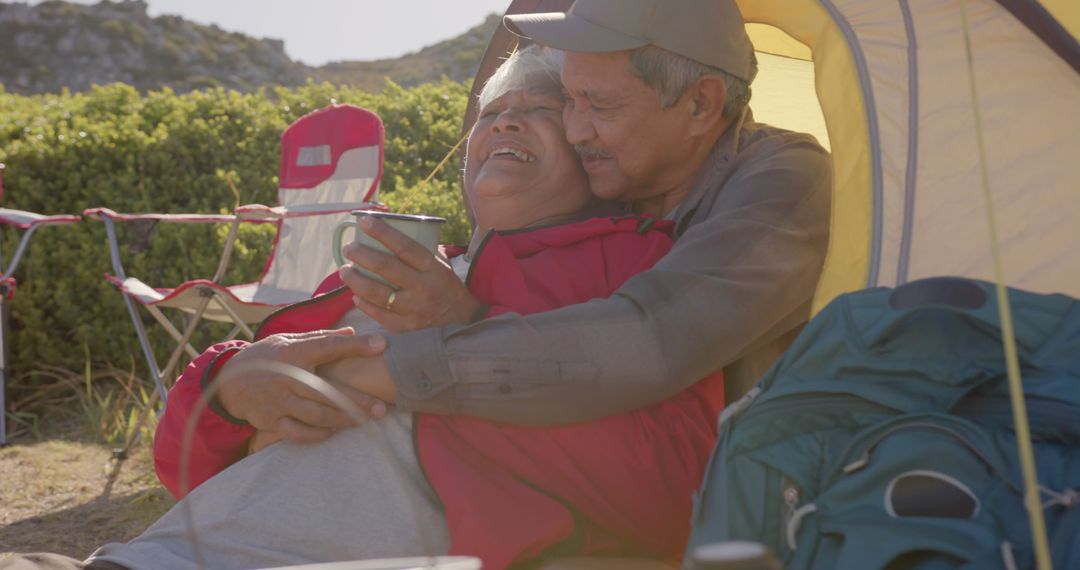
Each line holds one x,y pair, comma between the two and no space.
390,301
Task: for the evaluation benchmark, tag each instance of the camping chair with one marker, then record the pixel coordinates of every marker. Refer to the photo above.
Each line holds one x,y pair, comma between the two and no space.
331,164
30,222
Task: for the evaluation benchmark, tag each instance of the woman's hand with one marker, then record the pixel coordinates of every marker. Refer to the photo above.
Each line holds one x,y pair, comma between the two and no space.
263,439
366,374
276,403
364,379
430,293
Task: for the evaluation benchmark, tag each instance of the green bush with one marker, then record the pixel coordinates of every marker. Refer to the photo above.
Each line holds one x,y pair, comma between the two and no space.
163,152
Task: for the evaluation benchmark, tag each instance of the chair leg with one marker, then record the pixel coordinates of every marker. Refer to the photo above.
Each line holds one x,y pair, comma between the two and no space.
235,317
144,342
167,372
184,341
24,241
7,270
3,368
173,332
232,333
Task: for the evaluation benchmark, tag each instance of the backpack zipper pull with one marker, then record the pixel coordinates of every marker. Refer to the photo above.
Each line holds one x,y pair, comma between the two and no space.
790,493
791,498
858,464
737,407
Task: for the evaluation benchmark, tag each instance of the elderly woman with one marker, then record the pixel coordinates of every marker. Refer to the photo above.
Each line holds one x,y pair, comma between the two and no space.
509,494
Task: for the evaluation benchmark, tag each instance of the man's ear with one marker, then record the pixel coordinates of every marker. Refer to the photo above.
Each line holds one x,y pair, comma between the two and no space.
706,98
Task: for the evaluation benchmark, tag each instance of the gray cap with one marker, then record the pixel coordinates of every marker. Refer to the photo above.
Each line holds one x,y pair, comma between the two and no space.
707,31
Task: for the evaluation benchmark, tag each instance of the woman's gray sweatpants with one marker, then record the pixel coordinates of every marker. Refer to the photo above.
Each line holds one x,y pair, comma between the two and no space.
342,499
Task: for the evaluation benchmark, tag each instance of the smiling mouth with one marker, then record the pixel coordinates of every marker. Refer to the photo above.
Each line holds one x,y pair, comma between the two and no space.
592,159
505,151
592,162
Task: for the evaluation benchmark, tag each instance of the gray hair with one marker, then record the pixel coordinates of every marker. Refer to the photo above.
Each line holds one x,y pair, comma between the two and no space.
521,64
671,74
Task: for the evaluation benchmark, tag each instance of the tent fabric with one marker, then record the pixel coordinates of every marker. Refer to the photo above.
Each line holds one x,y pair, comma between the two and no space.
1053,32
884,84
908,196
1065,12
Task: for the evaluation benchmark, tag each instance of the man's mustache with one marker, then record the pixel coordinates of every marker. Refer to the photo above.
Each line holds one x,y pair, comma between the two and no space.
588,153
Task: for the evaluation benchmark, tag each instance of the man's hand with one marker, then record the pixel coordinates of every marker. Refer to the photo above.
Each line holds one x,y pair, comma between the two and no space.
430,293
277,403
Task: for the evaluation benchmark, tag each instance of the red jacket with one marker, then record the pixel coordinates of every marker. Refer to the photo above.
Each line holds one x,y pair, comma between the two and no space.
218,443
620,485
599,506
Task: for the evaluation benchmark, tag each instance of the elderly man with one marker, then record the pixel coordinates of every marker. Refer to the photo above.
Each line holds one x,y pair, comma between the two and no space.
658,94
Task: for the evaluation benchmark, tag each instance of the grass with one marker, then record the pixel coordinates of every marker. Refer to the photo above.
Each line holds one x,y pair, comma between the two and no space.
97,404
70,497
62,489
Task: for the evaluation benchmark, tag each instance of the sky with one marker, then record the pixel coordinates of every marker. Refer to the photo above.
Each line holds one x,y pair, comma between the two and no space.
320,31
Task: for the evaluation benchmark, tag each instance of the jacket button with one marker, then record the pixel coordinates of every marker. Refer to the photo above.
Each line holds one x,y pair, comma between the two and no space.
425,383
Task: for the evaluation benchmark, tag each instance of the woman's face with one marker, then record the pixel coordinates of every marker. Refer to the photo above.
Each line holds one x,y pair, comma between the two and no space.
519,169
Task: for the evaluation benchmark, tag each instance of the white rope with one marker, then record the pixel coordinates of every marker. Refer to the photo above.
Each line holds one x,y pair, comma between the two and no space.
736,407
1007,556
795,522
1068,498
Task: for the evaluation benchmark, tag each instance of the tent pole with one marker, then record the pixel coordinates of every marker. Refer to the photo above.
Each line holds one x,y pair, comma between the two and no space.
1026,451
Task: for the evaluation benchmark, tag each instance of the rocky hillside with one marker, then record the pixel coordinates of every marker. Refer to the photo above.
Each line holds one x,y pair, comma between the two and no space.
55,44
457,58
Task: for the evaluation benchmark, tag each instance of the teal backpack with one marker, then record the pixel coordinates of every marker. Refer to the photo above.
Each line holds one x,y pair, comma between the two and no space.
883,438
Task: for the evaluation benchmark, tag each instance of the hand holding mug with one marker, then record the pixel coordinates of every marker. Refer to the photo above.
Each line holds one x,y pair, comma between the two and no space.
421,231
401,281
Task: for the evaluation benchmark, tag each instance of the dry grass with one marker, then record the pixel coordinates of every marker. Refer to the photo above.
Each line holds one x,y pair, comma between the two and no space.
61,490
69,497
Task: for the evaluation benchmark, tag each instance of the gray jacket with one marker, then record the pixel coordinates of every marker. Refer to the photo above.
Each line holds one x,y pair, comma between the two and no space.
732,293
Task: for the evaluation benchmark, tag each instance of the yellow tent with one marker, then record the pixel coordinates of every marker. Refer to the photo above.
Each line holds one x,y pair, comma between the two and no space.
932,110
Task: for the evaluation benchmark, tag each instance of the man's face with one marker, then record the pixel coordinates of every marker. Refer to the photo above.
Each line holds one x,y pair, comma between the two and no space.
627,143
518,155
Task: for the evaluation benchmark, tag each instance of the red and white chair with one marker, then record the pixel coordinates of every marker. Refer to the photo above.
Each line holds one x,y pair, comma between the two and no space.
30,222
331,164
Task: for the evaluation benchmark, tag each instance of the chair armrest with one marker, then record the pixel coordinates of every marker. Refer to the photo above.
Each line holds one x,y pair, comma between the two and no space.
110,216
259,212
24,220
306,210
30,222
101,214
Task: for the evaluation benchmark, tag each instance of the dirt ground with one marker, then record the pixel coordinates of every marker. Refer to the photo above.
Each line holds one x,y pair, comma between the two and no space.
70,497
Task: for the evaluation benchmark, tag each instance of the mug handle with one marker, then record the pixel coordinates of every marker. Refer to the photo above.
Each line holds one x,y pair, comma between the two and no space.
339,232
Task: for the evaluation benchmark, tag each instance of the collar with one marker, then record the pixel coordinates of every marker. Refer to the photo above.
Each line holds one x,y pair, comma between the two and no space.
602,209
478,236
715,169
